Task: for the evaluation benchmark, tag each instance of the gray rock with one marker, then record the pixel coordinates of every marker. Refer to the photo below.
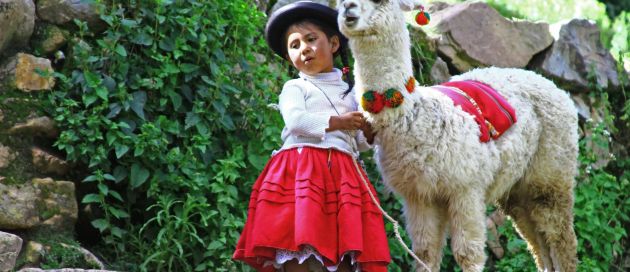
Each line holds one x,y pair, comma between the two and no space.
584,110
17,20
10,246
434,7
48,38
24,72
6,156
591,111
33,253
439,71
57,199
38,126
18,207
473,34
576,54
61,12
47,163
88,256
29,205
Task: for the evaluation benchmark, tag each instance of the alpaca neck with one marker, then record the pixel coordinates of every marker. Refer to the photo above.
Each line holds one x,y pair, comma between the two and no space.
382,62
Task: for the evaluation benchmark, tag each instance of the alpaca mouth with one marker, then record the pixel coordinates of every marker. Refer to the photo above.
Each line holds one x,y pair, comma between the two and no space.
351,20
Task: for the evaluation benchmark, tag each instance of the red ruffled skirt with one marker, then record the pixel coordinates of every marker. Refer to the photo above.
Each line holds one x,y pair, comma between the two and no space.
299,200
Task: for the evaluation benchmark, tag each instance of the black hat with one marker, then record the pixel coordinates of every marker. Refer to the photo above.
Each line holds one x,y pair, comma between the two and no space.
285,16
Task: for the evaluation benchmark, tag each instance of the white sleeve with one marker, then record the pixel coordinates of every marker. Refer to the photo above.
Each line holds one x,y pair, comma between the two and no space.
297,119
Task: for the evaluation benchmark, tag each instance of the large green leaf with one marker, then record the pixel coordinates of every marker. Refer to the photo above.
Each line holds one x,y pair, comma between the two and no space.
138,102
139,175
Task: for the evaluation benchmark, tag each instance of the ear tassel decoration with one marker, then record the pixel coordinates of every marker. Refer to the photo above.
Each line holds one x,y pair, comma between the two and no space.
422,17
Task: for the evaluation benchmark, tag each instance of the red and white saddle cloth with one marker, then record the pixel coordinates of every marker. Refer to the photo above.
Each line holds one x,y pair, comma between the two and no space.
491,111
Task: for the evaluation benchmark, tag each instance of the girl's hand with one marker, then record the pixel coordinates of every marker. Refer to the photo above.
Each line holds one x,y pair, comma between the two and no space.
348,121
367,132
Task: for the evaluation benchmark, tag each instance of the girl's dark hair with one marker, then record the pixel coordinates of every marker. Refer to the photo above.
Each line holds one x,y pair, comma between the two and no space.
342,52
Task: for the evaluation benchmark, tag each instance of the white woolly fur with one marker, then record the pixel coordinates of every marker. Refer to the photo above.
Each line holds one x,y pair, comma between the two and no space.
428,150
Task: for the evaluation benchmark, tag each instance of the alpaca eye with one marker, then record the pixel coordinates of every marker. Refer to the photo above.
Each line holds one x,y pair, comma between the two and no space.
376,1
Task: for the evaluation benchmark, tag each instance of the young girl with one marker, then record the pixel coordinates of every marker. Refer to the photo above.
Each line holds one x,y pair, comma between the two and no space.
309,209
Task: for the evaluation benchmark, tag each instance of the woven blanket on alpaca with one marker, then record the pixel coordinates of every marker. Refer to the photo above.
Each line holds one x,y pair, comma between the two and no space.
491,111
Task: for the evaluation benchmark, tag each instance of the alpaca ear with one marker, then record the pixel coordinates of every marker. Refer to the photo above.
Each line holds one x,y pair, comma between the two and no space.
409,5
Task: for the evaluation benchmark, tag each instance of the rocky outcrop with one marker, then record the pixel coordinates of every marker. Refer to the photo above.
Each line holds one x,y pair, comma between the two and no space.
31,205
578,54
473,34
6,156
48,163
18,209
62,12
17,20
27,73
10,246
39,126
34,252
439,71
49,38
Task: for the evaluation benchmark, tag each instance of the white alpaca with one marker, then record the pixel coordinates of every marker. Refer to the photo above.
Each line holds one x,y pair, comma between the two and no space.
429,151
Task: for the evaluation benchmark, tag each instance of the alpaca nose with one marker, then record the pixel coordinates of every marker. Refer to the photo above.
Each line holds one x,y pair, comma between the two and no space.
350,13
349,4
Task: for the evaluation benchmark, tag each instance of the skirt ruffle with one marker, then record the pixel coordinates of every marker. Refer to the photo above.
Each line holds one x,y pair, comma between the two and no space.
313,197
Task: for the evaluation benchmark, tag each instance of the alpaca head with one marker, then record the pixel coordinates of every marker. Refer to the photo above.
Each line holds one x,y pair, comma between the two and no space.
367,18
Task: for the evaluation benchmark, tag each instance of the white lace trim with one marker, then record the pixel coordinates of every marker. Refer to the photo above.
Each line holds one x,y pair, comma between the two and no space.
283,256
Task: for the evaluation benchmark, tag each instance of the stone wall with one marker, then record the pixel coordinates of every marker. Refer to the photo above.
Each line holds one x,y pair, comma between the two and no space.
36,197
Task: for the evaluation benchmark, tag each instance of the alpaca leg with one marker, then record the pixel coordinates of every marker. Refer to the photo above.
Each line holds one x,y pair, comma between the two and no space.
527,229
468,230
426,224
553,217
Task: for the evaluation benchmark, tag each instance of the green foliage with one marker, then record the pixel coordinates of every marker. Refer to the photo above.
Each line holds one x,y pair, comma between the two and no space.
61,256
61,251
620,42
176,227
424,60
517,257
616,7
167,109
602,205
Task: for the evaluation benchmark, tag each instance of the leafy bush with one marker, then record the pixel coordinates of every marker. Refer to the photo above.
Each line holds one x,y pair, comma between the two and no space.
168,110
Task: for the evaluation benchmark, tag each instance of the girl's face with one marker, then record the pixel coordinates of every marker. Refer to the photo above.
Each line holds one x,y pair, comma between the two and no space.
309,49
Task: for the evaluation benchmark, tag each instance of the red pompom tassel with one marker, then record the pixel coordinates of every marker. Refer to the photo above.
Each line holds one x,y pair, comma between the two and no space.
423,18
372,102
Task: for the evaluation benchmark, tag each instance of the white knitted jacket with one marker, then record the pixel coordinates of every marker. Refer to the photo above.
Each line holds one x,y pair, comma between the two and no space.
306,112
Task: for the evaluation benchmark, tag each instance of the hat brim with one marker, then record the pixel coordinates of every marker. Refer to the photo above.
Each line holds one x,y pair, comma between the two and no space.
285,16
